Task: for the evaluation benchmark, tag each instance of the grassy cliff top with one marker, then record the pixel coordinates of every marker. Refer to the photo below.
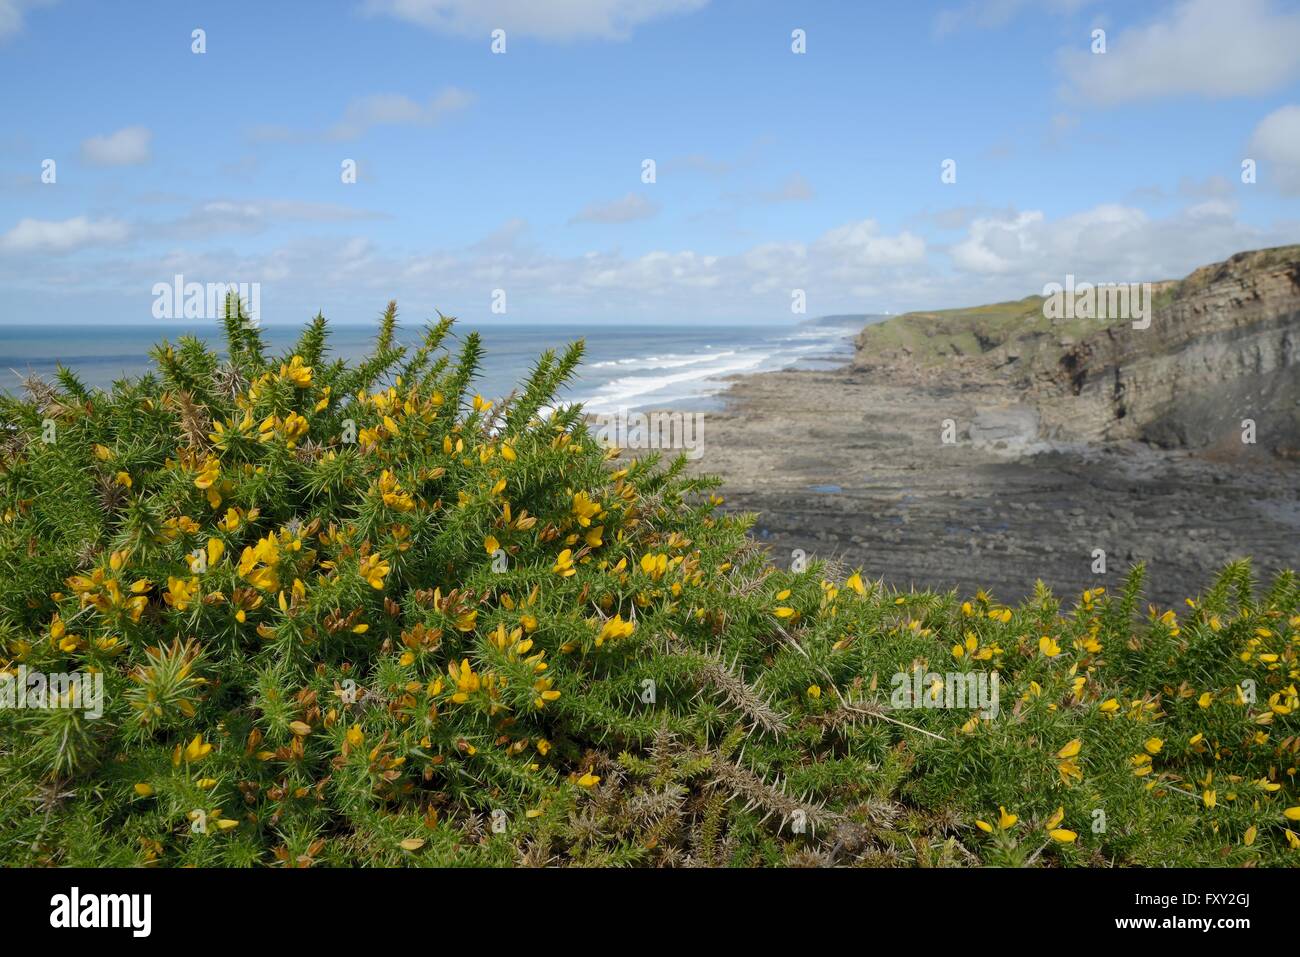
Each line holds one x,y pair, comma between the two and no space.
928,337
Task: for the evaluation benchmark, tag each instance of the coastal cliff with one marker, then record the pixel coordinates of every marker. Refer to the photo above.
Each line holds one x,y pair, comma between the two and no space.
1220,348
991,446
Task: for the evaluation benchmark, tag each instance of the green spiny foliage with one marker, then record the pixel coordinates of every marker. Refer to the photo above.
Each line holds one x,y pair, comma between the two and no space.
360,615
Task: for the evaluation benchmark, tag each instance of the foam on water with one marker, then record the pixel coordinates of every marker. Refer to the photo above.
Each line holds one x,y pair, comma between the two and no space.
676,381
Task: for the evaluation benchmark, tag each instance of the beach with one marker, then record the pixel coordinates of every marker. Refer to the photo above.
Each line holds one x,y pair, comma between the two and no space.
850,465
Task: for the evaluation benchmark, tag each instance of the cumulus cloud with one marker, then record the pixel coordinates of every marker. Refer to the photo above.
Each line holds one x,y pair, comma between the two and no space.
858,266
1203,47
626,209
1108,243
834,267
61,236
862,245
999,245
553,20
1276,146
127,147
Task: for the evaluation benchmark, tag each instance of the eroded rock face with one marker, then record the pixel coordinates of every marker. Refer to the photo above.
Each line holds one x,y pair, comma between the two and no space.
1221,349
1012,428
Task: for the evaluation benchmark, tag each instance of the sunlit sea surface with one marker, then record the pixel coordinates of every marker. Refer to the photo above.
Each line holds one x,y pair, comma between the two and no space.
631,367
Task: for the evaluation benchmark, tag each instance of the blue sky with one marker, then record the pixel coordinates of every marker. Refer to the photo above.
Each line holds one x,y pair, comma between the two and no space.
521,171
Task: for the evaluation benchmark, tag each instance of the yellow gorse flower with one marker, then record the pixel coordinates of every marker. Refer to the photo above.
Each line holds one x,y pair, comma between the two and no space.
467,681
1067,766
545,693
196,750
654,565
564,564
585,509
208,474
1071,749
970,647
392,493
615,628
296,372
180,592
373,569
1006,821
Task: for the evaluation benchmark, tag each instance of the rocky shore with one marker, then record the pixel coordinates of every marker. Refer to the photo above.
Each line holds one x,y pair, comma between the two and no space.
964,471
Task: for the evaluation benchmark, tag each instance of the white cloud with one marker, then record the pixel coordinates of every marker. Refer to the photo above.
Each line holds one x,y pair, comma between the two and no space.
11,14
1275,145
627,209
393,109
1103,239
1205,47
859,266
127,147
366,112
1108,243
61,236
999,245
862,245
552,20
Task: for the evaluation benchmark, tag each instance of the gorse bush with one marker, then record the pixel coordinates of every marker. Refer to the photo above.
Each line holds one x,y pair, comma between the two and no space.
360,615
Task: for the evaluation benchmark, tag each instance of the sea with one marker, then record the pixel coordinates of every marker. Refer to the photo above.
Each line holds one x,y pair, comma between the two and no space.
625,367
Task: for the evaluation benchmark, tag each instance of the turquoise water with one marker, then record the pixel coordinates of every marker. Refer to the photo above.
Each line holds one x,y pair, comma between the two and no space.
625,366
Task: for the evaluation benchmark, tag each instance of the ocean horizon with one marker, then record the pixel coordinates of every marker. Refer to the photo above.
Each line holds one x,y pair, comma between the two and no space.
624,367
